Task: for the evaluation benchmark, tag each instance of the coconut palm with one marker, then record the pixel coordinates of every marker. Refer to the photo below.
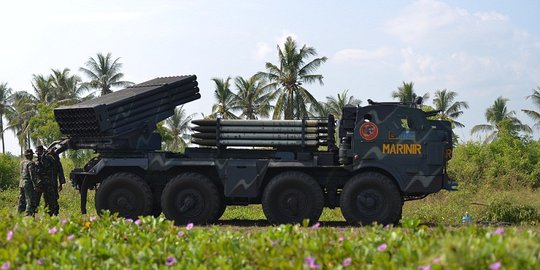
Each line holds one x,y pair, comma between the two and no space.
406,94
66,87
5,108
289,77
499,118
535,97
335,104
253,99
43,88
177,126
104,73
24,105
226,100
450,110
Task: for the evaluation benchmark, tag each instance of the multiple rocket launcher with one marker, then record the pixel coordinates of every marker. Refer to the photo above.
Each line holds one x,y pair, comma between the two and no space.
265,133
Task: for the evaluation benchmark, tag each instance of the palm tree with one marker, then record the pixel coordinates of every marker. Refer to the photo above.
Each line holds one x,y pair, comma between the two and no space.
335,105
289,76
226,100
320,110
43,88
450,110
406,94
104,73
536,101
253,99
24,108
177,126
66,87
5,108
500,118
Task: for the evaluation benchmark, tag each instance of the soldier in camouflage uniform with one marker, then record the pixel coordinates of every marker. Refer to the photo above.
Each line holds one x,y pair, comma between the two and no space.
47,171
28,199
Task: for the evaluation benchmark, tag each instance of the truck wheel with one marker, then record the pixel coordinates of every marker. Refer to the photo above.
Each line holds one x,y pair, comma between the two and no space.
291,197
191,198
126,194
371,197
221,211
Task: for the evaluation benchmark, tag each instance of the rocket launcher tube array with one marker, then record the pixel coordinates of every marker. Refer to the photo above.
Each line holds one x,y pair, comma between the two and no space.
273,133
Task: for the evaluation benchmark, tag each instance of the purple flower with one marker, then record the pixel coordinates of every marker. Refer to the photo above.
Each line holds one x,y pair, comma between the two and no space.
498,231
436,260
64,221
71,237
53,230
180,233
129,220
382,247
495,266
189,226
341,239
424,267
310,262
9,235
346,262
40,261
387,226
6,265
274,243
93,218
138,222
170,261
316,225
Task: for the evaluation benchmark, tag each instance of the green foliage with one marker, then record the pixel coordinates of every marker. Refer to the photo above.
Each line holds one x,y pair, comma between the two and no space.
9,173
110,242
508,162
506,211
44,128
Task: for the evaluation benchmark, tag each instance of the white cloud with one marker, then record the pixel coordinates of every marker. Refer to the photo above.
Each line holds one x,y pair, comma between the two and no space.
262,51
435,23
346,55
491,16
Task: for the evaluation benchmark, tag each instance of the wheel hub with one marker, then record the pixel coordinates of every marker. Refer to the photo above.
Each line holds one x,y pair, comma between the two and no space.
189,203
368,201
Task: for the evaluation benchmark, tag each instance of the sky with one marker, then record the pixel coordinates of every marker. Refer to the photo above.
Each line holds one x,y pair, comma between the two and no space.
480,49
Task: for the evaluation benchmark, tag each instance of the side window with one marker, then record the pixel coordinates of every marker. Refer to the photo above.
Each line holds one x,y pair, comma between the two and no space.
367,117
406,123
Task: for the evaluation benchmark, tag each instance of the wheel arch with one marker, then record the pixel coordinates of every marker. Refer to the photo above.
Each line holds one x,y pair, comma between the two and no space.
384,170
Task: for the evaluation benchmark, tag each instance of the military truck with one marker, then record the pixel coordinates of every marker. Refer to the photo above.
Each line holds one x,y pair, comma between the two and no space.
368,163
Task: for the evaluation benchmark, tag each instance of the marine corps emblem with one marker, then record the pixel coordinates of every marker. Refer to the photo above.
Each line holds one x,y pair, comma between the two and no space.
369,131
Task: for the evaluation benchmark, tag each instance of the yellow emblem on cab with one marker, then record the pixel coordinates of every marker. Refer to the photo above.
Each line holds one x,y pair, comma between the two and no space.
402,149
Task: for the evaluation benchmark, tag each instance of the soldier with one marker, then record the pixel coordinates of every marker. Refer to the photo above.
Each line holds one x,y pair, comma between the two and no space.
28,185
47,175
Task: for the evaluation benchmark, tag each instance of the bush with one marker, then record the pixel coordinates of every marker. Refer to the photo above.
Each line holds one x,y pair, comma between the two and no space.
9,173
507,163
505,211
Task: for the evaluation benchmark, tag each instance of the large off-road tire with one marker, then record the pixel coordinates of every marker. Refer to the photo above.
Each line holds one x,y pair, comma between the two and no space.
191,198
291,197
371,197
126,194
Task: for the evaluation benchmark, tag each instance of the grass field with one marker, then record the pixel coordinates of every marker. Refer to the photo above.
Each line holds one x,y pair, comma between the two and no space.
76,241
